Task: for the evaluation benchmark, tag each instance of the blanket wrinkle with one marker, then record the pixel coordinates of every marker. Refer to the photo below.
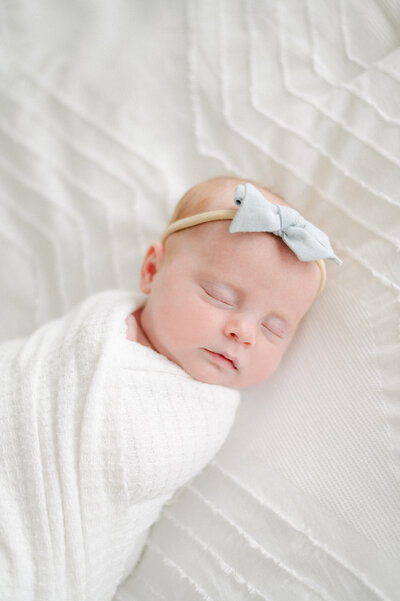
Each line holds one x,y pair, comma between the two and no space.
97,433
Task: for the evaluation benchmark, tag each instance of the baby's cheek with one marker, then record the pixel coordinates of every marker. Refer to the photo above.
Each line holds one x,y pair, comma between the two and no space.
267,364
190,316
175,325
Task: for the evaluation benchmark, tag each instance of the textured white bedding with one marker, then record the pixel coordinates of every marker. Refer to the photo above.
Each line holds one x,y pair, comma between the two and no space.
109,111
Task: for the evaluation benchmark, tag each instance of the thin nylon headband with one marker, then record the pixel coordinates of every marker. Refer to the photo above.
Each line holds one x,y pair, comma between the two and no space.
222,215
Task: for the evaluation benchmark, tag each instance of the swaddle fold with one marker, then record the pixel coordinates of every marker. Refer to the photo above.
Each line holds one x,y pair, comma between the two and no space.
97,433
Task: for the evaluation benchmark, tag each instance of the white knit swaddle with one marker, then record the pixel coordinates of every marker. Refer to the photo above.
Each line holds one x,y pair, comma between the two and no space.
97,432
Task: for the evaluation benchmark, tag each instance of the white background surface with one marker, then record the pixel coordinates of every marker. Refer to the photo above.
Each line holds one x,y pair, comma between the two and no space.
108,113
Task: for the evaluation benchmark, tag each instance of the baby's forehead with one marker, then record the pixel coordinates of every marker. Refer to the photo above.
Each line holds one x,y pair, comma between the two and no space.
248,253
214,194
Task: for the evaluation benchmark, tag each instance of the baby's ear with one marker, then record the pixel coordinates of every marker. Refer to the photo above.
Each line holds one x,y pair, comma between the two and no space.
151,265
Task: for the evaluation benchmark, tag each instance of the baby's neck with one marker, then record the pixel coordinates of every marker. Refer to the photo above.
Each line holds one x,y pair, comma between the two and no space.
140,335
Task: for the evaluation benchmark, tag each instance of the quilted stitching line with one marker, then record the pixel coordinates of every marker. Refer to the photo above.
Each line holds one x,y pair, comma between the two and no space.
90,193
150,589
31,258
348,87
225,567
343,31
308,534
73,108
278,161
85,153
309,182
68,103
388,71
28,184
297,132
361,261
229,132
319,108
45,232
347,45
292,169
316,62
353,91
195,95
342,208
81,150
375,192
252,544
182,574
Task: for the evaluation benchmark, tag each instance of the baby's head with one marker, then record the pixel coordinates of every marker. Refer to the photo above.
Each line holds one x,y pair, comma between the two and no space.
224,306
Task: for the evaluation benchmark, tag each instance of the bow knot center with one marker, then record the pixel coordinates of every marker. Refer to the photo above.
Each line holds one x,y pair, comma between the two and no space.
289,218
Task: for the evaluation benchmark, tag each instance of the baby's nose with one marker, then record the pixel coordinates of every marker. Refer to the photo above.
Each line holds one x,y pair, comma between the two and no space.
242,331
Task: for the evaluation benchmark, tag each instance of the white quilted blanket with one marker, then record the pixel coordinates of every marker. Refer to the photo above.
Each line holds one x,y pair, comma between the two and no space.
97,432
109,111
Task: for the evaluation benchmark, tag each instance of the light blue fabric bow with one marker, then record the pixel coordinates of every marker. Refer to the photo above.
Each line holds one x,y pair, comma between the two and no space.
257,214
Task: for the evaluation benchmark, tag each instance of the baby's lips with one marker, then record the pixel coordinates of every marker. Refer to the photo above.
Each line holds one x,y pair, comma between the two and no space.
231,358
224,356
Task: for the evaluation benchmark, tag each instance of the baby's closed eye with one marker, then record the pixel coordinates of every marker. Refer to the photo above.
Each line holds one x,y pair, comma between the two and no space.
220,293
274,327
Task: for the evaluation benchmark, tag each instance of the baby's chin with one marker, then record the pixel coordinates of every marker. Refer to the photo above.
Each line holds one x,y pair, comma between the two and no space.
210,375
237,381
216,377
200,368
215,381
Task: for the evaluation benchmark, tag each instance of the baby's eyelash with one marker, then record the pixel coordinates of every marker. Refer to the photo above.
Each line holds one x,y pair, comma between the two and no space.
279,332
217,297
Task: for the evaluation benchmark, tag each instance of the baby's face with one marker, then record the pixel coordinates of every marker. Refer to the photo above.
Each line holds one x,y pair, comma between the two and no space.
224,306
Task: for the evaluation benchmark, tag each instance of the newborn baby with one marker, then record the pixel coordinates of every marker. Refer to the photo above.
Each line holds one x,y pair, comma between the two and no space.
104,421
224,306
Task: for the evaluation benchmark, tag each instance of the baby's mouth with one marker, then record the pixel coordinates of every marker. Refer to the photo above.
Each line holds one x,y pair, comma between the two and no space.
224,359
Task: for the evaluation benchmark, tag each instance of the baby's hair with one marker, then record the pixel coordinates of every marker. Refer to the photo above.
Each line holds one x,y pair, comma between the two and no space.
196,199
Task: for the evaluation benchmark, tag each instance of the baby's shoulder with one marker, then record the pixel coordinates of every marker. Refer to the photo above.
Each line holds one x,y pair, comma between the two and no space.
132,328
